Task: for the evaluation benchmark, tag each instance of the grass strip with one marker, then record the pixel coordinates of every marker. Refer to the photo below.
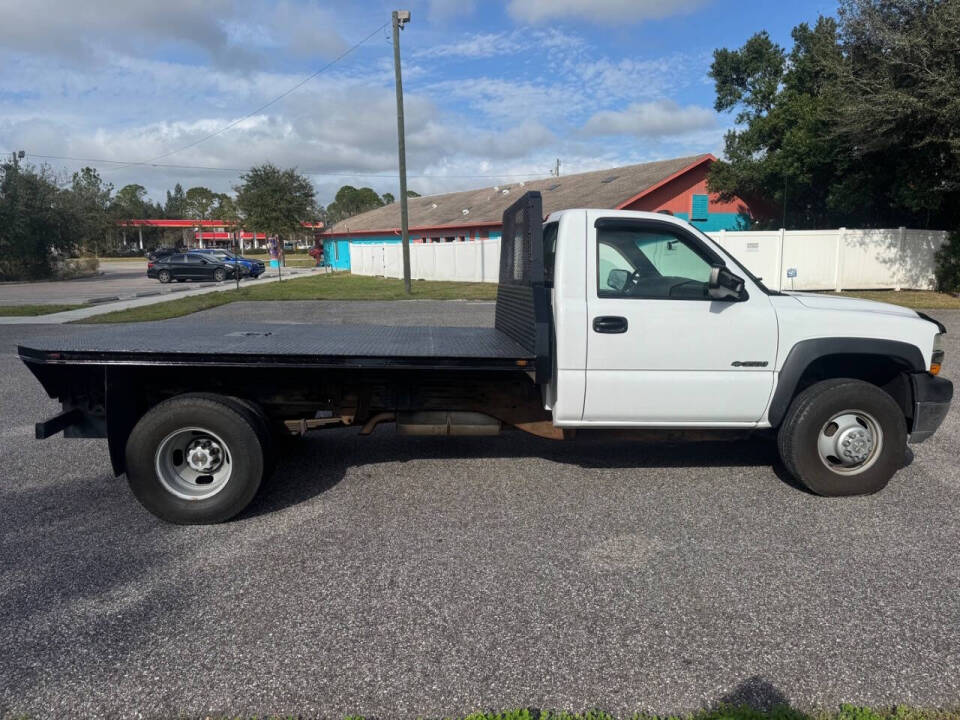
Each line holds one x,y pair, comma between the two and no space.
723,712
334,286
916,299
32,310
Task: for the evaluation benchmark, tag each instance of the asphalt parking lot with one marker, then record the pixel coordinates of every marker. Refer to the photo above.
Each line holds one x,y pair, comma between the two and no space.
118,278
397,577
122,279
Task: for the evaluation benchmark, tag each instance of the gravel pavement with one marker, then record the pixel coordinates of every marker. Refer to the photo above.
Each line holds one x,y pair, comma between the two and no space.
397,577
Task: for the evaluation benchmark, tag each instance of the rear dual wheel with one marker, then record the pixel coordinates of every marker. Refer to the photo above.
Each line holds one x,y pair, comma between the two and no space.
198,459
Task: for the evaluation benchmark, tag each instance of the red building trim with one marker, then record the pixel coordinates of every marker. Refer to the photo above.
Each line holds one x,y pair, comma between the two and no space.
245,235
178,223
420,230
627,203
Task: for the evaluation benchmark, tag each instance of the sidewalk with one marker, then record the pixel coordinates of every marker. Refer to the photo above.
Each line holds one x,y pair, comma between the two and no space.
153,297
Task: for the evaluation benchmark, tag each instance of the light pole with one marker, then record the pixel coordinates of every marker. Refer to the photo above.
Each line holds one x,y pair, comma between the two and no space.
401,18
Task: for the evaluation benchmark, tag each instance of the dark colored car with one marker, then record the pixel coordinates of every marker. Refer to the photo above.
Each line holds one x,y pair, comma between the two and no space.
191,266
161,252
254,267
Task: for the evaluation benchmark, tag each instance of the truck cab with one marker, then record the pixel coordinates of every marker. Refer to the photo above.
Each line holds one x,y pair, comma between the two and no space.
657,326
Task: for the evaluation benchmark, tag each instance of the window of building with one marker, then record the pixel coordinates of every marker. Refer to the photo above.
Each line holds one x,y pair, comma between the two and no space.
700,207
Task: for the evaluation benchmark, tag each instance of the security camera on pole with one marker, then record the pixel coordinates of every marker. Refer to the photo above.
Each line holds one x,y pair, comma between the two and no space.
400,18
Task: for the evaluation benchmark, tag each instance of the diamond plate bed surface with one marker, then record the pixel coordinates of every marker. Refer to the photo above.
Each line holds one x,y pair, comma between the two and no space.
305,341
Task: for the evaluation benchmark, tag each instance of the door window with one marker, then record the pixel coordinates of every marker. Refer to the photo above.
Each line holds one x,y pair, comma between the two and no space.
650,263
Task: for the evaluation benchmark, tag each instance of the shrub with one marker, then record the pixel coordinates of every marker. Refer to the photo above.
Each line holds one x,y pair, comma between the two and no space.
948,264
71,268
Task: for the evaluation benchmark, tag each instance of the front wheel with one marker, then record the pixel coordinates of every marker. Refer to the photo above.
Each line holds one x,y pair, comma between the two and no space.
219,274
843,437
195,460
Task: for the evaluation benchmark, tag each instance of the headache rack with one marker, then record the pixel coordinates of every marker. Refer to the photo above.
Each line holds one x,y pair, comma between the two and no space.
523,298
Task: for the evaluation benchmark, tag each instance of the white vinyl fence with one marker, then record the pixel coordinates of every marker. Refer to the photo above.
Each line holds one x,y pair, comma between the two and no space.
785,259
470,261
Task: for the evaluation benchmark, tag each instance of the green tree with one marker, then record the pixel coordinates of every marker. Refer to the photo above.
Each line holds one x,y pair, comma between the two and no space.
131,202
88,200
783,156
857,125
387,198
275,201
199,201
225,209
35,222
176,204
899,82
350,201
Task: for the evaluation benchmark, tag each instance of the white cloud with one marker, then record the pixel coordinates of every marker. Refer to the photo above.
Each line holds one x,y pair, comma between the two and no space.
603,11
445,10
93,81
661,118
234,34
474,46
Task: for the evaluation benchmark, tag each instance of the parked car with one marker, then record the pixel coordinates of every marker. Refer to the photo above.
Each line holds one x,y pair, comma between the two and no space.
255,268
161,252
192,266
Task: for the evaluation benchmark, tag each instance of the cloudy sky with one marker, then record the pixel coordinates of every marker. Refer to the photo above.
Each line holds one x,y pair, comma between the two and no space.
494,90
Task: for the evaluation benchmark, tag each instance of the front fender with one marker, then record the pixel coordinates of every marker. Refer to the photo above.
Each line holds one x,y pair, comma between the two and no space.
805,352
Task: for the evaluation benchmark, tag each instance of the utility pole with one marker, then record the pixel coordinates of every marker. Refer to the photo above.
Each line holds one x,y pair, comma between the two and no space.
400,18
556,170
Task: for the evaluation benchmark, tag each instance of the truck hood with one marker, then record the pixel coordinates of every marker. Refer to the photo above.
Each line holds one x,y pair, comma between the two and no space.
820,301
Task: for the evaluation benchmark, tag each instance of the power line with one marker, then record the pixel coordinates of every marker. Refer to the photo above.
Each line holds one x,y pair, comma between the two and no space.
278,98
346,173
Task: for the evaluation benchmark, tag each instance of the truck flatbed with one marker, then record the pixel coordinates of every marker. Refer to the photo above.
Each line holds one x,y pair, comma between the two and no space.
286,345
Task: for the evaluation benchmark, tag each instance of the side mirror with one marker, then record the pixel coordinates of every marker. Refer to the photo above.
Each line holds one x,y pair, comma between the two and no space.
724,284
617,279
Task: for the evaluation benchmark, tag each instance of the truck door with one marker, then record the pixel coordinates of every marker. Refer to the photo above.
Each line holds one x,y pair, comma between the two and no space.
659,350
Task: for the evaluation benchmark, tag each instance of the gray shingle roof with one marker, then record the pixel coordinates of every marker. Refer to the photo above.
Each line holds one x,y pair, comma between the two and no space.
598,189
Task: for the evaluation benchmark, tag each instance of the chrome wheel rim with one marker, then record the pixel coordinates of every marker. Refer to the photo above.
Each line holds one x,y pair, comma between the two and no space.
193,463
850,442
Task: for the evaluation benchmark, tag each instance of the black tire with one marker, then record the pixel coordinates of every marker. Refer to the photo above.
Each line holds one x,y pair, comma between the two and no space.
257,417
219,274
811,413
229,423
263,431
164,276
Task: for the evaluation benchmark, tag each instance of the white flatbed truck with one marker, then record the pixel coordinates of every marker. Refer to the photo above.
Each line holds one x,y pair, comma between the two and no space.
626,322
